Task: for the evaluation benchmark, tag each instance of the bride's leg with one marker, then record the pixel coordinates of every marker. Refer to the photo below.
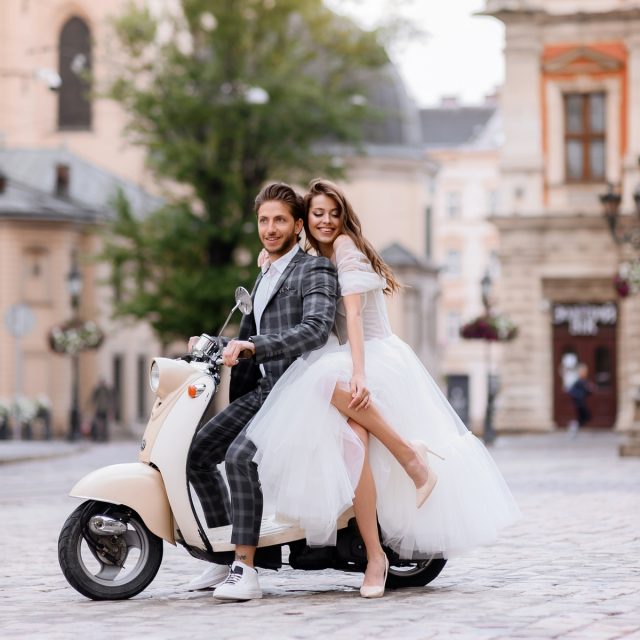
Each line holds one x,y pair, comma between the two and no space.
364,506
371,419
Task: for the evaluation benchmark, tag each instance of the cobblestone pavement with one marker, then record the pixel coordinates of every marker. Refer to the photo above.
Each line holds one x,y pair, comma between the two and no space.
569,569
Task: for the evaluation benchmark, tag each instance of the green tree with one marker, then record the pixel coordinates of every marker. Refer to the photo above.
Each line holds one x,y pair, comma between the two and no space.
225,96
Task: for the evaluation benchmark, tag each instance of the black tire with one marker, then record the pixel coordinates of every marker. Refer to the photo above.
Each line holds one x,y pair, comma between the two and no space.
414,574
83,555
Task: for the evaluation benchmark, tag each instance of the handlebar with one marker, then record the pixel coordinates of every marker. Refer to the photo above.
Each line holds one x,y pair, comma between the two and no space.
245,354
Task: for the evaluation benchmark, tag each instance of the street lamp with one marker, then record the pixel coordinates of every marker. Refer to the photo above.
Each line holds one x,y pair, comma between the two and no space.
74,287
622,232
625,233
489,434
485,287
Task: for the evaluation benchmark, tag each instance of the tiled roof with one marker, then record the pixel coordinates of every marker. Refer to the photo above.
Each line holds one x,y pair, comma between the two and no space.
453,126
31,181
398,256
398,121
19,200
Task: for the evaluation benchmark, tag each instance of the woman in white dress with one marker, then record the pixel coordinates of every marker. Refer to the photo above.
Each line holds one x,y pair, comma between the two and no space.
315,457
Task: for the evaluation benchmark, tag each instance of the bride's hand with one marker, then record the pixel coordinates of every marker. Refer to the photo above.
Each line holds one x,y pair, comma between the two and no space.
360,394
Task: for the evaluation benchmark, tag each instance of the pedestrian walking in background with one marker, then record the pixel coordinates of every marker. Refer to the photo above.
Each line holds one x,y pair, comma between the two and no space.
579,391
102,401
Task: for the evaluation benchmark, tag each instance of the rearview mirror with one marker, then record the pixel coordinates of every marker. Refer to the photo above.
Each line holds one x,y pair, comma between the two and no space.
243,301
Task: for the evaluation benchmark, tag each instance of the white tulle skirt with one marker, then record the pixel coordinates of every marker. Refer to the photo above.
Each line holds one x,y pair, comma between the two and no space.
309,459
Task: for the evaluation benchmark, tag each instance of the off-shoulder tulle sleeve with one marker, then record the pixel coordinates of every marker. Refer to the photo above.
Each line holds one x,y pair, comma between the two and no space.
355,273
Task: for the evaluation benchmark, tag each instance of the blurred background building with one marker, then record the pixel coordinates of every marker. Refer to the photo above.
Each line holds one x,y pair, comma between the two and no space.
510,189
63,158
571,117
464,142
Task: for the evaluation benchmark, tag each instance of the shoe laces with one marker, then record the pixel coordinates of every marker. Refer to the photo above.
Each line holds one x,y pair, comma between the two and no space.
235,575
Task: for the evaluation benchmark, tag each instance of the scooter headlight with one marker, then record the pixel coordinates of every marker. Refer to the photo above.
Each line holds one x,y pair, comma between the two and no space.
154,377
166,375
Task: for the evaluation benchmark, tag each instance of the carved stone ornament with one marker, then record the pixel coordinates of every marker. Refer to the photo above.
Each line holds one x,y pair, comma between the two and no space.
582,60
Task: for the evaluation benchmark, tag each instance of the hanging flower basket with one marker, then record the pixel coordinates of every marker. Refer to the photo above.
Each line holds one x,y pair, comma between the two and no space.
493,328
74,336
627,280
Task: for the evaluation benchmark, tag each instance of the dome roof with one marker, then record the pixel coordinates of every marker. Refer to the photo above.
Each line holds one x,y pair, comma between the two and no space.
399,121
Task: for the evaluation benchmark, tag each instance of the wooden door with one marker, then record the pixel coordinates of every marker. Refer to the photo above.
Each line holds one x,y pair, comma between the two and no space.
598,352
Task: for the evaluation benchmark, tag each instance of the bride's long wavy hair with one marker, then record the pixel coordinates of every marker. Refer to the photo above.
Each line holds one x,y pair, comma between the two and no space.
352,227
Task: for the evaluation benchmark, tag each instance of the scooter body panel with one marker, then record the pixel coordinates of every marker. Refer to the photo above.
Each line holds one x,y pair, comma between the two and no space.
135,485
171,450
181,374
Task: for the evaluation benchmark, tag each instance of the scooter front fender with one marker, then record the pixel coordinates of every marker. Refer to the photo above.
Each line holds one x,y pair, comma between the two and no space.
135,485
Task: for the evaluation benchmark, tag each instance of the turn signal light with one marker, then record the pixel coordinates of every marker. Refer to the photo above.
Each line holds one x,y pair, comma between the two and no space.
194,390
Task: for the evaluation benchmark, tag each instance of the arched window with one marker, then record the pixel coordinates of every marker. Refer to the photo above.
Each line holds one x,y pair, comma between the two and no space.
74,60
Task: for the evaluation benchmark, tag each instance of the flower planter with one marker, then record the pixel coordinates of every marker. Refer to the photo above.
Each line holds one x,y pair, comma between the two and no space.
492,328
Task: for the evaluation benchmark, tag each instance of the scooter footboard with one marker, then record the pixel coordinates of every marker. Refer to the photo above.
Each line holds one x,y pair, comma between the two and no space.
135,485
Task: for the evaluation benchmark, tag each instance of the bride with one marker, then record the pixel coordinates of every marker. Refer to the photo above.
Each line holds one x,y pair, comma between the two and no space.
348,425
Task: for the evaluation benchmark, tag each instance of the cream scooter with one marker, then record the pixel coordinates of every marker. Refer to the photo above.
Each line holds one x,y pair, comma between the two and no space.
110,547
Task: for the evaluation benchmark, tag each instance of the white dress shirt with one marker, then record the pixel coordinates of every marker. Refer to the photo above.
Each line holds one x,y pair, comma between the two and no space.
265,288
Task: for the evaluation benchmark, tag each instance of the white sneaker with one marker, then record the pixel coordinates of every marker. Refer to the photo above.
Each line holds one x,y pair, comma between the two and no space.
572,429
212,576
241,584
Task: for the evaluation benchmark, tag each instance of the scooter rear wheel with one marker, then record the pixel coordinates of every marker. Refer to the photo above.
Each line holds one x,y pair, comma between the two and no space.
415,574
108,567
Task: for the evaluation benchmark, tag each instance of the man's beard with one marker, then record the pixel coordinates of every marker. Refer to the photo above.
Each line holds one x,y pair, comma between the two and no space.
286,246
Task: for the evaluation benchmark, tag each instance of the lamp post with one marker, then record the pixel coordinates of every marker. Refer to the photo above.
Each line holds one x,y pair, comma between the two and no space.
625,232
489,434
74,287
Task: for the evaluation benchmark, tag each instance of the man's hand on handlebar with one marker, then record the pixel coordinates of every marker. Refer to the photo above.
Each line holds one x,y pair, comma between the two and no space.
237,350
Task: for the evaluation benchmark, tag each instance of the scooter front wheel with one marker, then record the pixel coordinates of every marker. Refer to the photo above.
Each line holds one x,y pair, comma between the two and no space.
106,552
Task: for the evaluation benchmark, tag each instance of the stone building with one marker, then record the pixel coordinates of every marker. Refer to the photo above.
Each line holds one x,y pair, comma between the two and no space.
51,204
571,112
464,143
54,136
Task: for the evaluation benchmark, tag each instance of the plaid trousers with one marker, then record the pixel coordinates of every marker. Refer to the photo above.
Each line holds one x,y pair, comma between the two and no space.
223,439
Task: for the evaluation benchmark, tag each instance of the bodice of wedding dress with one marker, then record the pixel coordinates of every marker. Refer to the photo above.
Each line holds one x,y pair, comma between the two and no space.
356,275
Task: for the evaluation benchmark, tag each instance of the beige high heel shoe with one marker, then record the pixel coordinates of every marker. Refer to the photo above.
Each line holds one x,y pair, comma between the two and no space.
376,591
423,492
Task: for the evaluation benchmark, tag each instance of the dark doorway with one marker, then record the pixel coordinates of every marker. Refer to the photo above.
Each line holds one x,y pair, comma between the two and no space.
596,349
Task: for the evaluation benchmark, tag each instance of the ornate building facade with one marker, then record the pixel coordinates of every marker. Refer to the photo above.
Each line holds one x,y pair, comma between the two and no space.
571,111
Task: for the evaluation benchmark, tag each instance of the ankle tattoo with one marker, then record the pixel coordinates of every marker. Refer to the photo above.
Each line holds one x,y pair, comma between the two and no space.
241,556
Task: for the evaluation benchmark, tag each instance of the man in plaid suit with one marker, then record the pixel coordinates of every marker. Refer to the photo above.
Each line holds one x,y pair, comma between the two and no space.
294,305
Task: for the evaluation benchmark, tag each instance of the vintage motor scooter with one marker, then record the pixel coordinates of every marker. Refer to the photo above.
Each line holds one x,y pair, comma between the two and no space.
110,547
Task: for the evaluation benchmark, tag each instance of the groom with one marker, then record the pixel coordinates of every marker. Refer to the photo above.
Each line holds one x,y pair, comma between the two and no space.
294,309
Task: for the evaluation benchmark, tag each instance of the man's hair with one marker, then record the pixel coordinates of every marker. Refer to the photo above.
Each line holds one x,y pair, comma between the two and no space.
281,192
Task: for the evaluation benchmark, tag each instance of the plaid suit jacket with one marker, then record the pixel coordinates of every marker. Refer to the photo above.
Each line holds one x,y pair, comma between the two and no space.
298,318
